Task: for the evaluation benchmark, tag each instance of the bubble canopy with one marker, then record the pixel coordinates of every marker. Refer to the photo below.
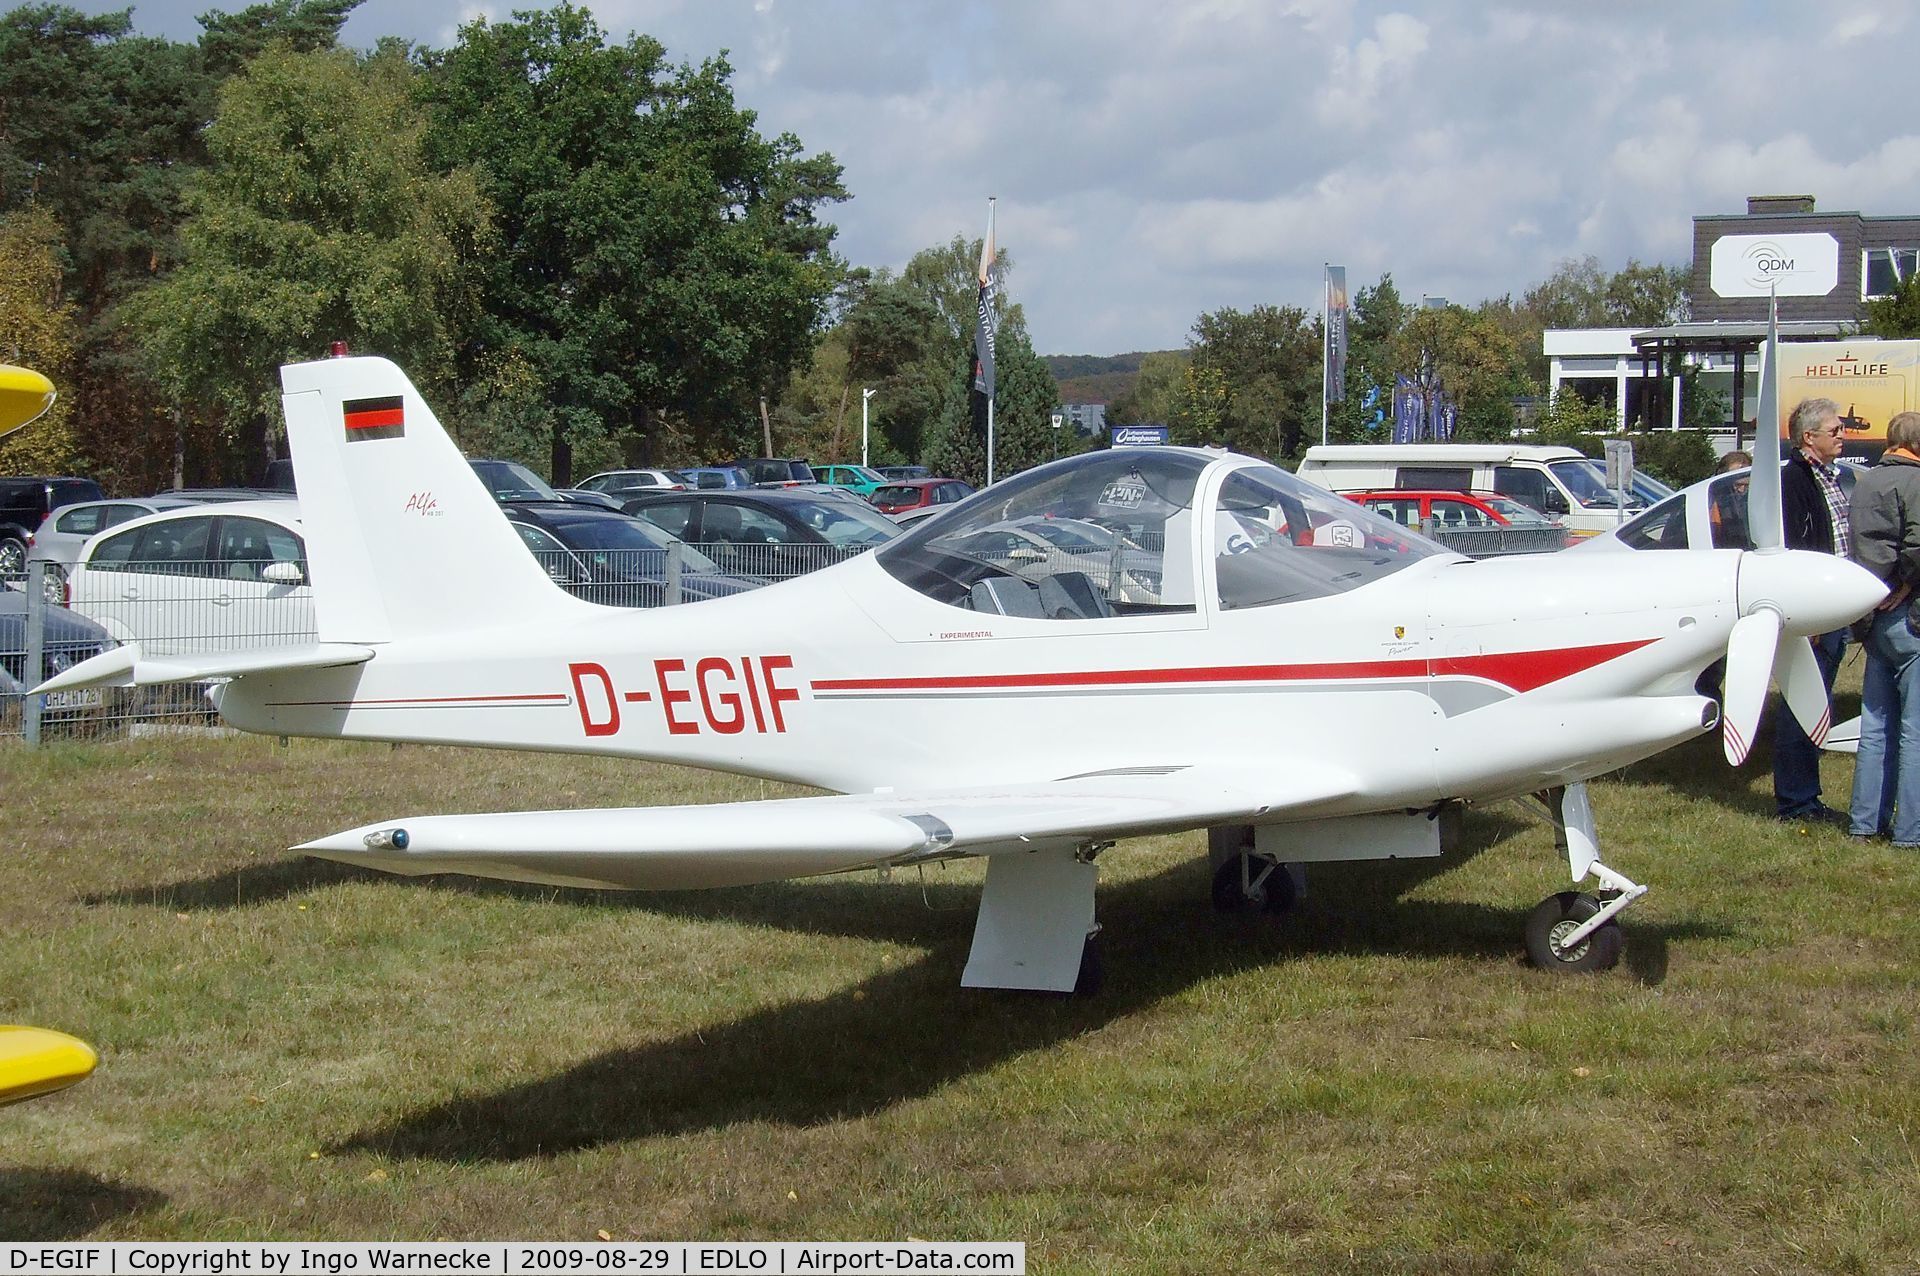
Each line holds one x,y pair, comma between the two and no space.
1148,531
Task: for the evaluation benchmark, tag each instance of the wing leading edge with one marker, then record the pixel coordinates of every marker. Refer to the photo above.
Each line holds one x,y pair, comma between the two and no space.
739,843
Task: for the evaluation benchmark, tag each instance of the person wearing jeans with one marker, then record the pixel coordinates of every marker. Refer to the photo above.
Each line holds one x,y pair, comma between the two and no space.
1814,516
1885,517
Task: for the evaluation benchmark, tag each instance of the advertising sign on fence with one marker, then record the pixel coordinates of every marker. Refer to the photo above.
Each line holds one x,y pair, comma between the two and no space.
1138,435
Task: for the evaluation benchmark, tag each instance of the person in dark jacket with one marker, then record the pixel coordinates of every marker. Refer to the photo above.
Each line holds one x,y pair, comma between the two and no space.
1813,509
1885,517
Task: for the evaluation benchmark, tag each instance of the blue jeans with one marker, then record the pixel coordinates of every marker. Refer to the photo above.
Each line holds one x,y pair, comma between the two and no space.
1886,774
1796,759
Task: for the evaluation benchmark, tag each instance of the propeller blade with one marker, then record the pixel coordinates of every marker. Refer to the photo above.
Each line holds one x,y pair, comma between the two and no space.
1750,650
1797,673
1764,520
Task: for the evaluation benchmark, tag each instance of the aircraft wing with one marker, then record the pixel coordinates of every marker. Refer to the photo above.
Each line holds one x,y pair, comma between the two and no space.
737,843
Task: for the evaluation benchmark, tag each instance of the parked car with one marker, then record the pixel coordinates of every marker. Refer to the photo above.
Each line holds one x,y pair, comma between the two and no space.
709,478
67,530
200,578
67,639
512,481
900,473
766,532
777,471
855,478
25,504
1469,512
608,557
1711,514
909,494
627,484
581,496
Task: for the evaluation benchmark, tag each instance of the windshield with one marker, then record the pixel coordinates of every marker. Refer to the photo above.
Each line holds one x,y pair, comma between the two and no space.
511,481
1515,512
1588,482
1648,490
601,536
1281,540
842,522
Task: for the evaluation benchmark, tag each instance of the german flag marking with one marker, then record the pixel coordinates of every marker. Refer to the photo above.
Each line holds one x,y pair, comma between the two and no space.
374,418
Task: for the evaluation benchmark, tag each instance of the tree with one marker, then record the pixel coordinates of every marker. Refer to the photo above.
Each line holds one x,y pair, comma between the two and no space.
1472,358
656,255
318,221
1255,381
228,41
38,330
1897,316
1155,393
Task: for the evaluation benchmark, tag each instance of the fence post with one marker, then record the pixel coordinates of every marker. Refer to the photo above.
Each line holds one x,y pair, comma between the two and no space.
31,706
675,562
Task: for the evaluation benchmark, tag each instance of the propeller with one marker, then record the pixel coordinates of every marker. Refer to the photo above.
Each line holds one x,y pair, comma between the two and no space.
1784,596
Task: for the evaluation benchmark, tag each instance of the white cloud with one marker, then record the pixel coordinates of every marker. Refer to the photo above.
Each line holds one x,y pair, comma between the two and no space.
1359,74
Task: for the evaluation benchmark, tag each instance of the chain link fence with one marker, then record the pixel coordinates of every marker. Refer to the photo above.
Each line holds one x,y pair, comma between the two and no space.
51,620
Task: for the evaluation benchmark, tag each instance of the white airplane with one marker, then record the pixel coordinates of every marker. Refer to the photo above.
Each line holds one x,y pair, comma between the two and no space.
1304,679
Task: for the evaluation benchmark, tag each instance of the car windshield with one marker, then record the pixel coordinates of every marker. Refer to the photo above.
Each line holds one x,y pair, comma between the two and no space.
845,522
1588,482
597,535
1648,489
1515,512
511,481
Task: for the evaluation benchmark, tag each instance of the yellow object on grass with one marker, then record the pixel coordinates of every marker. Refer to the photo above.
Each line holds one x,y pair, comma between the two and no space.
24,395
36,1061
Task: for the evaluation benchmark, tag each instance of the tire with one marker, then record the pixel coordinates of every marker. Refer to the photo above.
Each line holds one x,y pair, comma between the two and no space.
1558,914
55,586
13,557
1274,895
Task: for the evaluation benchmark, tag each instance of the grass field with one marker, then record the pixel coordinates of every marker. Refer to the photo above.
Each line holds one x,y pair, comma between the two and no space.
1377,1083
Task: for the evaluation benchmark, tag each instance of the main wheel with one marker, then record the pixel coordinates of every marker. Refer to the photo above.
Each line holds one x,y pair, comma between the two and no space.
1557,916
1268,885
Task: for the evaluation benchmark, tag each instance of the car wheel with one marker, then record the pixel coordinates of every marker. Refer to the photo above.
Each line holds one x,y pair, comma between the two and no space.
13,557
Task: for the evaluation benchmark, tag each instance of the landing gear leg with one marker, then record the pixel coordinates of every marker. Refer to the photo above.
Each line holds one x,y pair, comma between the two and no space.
1245,880
1575,932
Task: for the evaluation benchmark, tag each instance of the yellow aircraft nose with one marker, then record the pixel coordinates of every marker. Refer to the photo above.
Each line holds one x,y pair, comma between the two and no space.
36,1061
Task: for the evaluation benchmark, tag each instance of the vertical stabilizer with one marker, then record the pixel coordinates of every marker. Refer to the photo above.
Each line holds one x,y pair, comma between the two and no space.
403,539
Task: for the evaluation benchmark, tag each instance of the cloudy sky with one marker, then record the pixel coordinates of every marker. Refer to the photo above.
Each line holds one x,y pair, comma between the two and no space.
1155,160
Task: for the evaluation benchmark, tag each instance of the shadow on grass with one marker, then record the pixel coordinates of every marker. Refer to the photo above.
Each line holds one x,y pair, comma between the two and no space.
905,1033
60,1205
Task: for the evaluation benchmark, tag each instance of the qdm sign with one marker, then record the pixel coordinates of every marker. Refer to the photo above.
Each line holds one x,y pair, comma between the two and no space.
1757,265
1137,435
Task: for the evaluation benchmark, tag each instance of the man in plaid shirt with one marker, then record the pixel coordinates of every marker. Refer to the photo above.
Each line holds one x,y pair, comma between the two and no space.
1813,505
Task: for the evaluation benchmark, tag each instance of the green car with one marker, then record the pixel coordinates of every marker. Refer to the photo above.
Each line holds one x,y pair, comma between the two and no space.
856,478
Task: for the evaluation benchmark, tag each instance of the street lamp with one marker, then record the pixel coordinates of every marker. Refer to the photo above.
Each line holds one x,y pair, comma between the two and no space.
865,395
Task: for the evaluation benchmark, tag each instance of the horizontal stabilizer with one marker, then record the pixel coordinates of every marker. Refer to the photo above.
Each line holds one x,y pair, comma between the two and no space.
1843,738
126,667
738,843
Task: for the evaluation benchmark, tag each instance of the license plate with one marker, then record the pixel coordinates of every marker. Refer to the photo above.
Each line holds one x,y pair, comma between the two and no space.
85,698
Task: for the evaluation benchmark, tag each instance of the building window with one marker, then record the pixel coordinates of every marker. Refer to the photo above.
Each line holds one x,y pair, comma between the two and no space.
1887,268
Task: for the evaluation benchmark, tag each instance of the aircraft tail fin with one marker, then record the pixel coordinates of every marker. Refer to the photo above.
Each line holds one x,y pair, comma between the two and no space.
404,540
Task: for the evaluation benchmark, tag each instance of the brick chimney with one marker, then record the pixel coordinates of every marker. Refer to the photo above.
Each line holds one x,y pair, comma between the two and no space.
1779,204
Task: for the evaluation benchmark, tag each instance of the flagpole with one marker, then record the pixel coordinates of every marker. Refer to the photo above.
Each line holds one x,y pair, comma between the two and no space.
1326,345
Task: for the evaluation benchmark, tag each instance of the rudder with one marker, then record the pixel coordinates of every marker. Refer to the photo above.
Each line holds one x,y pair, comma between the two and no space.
404,540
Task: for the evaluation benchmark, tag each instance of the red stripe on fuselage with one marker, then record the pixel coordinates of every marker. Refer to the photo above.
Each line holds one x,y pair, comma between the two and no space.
1517,671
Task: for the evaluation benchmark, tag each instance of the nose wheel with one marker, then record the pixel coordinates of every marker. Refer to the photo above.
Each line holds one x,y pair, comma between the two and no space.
1554,941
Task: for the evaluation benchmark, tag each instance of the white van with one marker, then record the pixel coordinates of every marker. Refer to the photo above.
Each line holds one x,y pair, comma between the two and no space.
1557,481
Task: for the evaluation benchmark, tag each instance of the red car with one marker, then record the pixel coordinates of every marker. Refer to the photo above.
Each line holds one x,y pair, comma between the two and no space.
911,494
1453,511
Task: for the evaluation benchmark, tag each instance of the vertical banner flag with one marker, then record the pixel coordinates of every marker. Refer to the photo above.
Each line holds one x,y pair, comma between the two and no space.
1406,410
983,331
1336,325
